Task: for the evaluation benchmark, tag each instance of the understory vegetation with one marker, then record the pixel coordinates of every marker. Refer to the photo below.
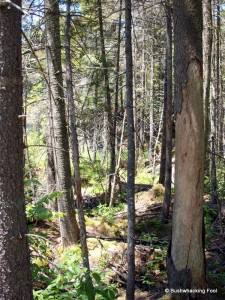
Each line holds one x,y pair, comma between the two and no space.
58,273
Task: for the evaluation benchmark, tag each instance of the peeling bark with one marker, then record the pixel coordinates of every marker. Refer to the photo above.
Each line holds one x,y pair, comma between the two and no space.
186,258
187,248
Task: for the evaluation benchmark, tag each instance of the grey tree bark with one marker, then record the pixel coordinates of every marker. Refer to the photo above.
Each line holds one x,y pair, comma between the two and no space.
207,65
108,104
162,170
186,255
51,172
115,170
15,275
75,150
131,155
169,113
68,225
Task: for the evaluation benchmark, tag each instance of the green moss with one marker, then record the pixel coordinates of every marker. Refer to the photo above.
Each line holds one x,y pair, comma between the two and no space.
158,190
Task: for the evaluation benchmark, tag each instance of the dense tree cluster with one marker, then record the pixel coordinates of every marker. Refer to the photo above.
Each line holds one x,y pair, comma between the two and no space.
110,88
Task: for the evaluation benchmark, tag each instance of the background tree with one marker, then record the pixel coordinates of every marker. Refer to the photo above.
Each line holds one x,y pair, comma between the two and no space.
169,113
15,275
68,225
131,155
75,149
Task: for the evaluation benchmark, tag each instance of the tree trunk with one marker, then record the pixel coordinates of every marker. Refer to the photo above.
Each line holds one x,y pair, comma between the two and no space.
220,106
162,171
214,195
15,275
108,105
75,151
169,112
131,155
186,256
51,174
114,175
151,110
207,62
68,225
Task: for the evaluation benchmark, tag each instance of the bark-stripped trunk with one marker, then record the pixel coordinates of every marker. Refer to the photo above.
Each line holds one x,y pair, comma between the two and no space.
15,276
169,112
131,155
186,256
68,225
75,151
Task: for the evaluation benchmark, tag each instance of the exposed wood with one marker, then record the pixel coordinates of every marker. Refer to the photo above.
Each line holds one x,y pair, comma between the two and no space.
186,254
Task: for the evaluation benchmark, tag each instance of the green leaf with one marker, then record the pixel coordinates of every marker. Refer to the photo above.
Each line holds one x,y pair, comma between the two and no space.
28,182
96,277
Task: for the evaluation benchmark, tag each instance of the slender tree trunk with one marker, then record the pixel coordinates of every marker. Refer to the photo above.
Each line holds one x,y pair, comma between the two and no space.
75,150
15,275
207,63
68,225
51,173
162,171
214,196
141,148
151,109
118,163
108,105
131,155
114,175
220,104
156,143
186,255
169,112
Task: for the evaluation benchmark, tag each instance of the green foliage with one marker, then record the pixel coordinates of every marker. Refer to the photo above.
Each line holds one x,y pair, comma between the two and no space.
38,211
149,237
93,175
220,184
217,279
107,213
29,186
207,185
209,215
143,177
28,182
40,257
221,190
143,226
155,266
72,281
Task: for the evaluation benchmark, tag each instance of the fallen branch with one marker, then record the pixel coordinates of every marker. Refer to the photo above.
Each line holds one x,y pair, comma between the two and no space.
124,240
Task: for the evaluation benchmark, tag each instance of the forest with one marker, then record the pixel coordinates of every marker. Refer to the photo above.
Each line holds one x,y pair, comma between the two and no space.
112,149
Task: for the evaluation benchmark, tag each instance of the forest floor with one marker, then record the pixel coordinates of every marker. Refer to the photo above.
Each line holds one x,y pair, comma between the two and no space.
106,232
152,238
